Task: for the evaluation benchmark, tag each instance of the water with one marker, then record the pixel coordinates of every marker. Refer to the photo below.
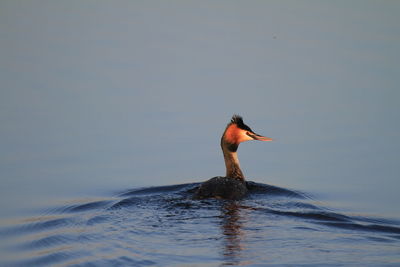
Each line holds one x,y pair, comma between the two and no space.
99,99
164,226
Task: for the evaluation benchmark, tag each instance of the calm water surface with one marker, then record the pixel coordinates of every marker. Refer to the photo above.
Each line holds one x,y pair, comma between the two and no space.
164,226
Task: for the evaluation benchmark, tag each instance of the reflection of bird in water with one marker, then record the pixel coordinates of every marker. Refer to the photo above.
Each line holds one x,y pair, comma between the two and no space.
233,185
231,229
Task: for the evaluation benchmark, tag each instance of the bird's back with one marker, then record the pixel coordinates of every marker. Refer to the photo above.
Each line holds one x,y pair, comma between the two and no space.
222,187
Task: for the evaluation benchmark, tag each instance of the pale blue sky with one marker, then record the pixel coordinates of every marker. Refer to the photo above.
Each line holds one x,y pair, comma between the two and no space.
116,94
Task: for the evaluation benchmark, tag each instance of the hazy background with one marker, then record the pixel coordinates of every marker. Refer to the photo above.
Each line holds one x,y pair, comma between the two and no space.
99,96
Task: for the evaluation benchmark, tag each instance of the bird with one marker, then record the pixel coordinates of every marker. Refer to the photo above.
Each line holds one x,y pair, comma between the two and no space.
233,185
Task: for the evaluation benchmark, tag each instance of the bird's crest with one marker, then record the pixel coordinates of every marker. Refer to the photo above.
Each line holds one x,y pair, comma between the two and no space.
238,120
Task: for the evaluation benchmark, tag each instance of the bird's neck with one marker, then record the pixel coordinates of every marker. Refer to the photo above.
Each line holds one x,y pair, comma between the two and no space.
231,161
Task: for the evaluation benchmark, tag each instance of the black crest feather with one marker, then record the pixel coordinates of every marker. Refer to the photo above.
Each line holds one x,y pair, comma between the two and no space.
238,120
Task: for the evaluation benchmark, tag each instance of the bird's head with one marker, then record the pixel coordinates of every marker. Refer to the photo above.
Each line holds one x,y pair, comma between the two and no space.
237,132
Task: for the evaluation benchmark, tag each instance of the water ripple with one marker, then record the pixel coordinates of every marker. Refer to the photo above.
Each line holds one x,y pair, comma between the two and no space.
166,226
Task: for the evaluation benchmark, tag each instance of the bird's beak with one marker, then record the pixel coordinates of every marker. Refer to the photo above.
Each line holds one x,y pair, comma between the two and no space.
258,137
261,138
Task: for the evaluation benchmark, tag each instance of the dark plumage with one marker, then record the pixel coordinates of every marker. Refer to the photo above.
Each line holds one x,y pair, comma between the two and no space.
238,120
222,187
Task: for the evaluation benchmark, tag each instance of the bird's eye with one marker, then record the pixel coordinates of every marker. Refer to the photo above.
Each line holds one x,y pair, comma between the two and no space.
250,134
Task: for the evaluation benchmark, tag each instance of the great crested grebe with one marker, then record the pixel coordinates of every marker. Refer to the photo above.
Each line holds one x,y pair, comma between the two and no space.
233,185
